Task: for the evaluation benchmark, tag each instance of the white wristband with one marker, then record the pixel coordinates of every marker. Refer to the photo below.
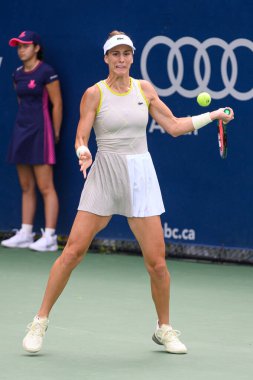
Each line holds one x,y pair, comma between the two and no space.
200,121
81,150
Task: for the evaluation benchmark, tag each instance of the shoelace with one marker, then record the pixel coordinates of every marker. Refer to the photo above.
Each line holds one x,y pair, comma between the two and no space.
45,236
172,334
16,231
36,328
43,233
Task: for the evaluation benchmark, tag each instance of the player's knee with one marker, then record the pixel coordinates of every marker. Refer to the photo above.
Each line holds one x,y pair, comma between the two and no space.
71,256
158,270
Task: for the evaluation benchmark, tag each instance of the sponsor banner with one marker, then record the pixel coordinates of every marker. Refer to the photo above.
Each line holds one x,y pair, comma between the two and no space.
177,66
184,234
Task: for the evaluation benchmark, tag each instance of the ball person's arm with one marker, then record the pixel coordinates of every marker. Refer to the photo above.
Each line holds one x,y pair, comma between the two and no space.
164,117
88,108
54,93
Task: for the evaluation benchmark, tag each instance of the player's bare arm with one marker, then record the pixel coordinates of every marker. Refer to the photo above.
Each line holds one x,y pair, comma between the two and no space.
88,107
165,118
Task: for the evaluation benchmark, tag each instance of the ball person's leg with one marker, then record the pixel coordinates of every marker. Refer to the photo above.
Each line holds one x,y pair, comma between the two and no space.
149,234
27,184
45,182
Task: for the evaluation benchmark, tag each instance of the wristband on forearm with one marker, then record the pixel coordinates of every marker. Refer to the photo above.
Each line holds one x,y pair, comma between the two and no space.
200,121
81,150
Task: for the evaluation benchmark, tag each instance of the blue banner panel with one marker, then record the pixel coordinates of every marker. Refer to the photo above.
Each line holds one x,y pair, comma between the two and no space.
183,48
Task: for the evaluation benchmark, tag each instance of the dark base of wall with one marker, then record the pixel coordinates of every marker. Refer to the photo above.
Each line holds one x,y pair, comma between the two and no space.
192,252
178,251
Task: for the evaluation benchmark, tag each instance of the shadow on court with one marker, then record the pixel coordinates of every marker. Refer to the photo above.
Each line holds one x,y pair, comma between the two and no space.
101,326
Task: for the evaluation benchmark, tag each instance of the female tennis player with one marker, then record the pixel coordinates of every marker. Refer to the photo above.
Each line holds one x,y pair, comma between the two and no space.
122,180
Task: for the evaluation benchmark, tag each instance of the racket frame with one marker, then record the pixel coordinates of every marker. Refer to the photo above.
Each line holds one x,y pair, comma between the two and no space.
222,136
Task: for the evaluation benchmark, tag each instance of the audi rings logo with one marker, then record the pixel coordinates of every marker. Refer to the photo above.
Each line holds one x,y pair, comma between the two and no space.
202,80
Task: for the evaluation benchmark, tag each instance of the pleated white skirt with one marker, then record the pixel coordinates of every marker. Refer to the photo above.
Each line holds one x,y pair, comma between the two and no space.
122,184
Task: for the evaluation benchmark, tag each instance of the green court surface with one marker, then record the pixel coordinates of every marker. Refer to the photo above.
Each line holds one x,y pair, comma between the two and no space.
101,327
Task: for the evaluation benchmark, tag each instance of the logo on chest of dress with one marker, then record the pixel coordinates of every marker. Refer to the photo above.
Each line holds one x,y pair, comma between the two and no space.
31,84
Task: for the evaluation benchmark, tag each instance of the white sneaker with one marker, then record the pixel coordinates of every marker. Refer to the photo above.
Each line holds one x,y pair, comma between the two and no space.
33,340
46,243
21,239
168,337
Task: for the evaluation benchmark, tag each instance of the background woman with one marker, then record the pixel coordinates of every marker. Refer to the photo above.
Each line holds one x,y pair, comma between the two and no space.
32,147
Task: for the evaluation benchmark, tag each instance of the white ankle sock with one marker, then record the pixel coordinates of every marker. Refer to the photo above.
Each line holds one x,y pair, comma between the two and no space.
50,231
37,318
27,228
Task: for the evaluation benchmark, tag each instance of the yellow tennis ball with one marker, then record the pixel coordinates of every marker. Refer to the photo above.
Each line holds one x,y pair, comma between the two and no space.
204,99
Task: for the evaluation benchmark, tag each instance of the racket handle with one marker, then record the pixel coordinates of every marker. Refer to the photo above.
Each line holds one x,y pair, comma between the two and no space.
226,110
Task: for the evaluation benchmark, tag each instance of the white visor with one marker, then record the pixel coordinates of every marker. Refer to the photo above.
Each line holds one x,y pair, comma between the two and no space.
118,39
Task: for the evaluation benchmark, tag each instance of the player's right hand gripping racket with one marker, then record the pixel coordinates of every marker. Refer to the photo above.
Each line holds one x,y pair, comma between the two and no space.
222,136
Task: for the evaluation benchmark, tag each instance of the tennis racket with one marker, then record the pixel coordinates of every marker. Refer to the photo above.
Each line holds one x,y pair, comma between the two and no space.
222,136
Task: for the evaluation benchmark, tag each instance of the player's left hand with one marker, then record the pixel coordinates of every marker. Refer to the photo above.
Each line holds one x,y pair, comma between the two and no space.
85,161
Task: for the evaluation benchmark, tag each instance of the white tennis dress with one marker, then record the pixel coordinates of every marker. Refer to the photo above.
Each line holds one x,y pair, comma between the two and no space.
122,179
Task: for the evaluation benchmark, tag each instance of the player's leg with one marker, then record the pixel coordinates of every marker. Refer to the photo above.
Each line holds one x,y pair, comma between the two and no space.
24,237
84,229
149,234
